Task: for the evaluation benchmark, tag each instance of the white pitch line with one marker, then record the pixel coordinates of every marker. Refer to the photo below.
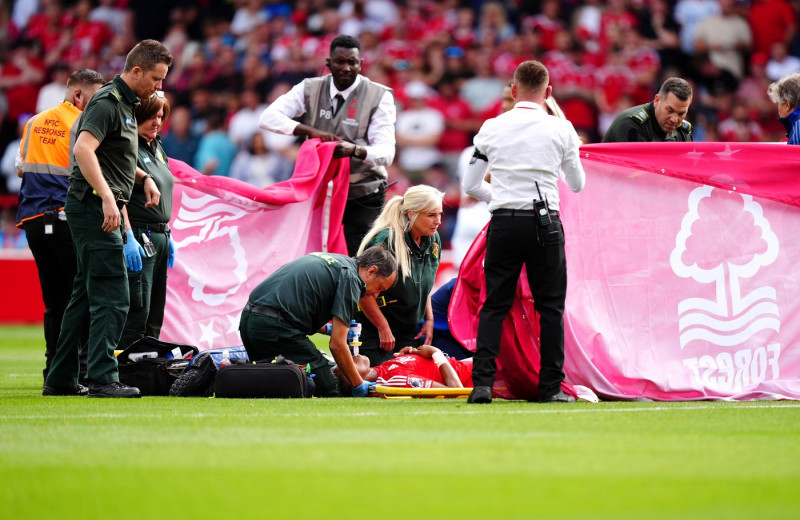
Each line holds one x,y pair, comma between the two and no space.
484,409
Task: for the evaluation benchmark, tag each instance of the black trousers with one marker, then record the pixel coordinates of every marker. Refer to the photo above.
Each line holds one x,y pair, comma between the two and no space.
511,242
55,260
359,214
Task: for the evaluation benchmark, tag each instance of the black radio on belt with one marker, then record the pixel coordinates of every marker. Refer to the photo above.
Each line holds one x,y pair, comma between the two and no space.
541,209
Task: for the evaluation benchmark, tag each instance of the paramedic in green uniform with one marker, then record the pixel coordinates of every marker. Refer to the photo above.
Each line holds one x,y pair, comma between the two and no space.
102,179
299,299
663,119
147,274
401,316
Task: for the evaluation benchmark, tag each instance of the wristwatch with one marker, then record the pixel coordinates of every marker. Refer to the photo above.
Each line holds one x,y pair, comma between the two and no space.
148,176
357,152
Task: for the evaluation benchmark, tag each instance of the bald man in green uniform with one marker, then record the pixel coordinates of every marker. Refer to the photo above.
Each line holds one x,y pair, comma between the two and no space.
101,182
298,300
663,119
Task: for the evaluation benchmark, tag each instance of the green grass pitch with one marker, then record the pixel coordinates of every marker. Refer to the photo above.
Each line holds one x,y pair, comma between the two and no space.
151,458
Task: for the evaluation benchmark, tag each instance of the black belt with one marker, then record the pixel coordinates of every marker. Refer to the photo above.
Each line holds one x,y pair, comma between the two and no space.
159,227
118,197
264,311
503,212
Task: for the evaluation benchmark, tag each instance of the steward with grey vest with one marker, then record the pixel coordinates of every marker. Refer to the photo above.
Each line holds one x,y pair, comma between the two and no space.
356,113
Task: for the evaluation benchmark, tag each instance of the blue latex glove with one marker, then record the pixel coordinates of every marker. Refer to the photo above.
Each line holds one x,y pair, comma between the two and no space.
171,256
361,390
133,252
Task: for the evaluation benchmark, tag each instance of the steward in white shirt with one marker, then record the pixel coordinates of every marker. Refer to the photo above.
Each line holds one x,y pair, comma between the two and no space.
359,115
526,150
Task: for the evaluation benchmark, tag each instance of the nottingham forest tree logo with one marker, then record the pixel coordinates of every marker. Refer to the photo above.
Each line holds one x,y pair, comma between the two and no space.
724,241
213,222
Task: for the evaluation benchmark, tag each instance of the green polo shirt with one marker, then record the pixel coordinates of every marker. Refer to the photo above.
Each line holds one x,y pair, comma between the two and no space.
638,124
153,160
310,290
110,118
411,293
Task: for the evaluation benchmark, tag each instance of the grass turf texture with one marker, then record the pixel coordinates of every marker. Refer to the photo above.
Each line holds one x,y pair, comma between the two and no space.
79,458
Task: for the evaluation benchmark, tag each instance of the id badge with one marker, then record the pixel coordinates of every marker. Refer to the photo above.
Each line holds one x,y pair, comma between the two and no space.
49,222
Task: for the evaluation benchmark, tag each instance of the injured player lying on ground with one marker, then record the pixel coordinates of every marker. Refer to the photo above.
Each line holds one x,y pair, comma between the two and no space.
422,367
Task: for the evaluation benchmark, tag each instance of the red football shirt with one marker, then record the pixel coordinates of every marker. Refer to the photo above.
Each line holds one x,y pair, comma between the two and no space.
415,371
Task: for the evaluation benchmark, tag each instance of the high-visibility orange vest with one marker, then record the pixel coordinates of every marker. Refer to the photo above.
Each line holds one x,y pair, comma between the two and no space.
45,149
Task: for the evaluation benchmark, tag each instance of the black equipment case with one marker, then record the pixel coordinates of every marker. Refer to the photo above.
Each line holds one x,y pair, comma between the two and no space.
153,376
281,379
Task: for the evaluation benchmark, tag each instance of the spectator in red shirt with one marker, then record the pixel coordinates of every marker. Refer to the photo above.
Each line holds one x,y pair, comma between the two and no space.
514,53
740,127
614,88
643,62
463,32
396,44
460,122
574,80
559,58
751,92
615,19
771,21
547,24
52,28
88,37
21,76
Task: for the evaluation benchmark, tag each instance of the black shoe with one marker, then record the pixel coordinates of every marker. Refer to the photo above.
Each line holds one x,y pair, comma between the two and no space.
114,390
78,390
481,395
560,397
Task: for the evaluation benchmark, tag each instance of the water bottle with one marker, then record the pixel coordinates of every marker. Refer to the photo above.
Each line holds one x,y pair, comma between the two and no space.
226,359
149,248
354,336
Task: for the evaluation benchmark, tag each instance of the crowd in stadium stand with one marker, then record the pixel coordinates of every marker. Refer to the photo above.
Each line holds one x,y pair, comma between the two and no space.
447,62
